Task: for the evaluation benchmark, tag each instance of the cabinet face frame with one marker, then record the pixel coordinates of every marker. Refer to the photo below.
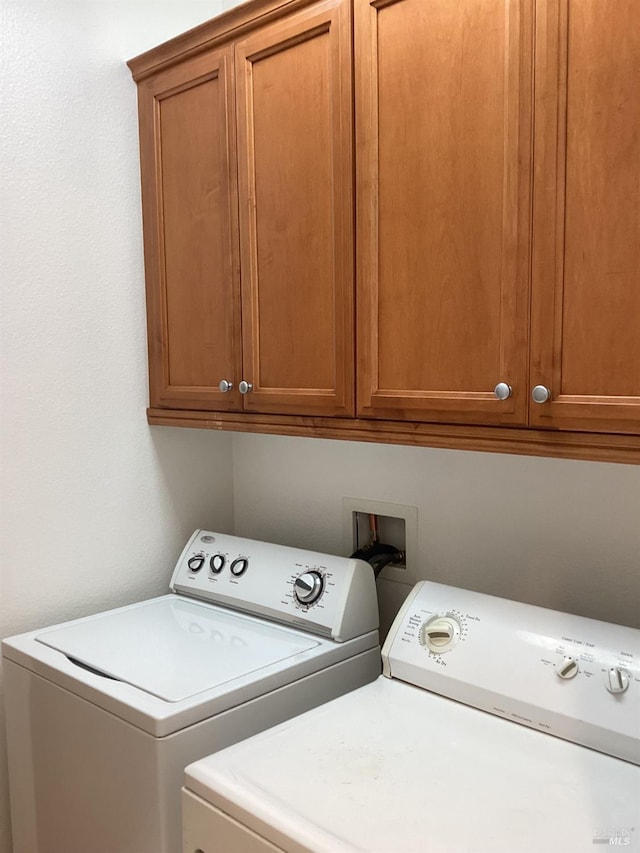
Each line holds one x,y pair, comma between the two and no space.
580,408
164,391
273,391
433,405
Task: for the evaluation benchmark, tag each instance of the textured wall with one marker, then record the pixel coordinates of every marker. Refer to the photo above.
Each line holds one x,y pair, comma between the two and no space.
558,533
95,504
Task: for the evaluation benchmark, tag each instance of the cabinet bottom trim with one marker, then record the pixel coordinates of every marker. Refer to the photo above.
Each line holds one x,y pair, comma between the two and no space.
526,442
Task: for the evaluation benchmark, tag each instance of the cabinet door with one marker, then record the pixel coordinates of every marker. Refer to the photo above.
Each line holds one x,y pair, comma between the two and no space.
443,141
586,260
187,142
295,182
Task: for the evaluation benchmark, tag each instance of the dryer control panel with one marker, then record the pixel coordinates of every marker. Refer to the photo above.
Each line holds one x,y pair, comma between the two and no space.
562,674
322,593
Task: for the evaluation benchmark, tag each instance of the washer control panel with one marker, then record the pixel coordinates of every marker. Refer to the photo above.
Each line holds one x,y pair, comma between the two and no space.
323,593
563,674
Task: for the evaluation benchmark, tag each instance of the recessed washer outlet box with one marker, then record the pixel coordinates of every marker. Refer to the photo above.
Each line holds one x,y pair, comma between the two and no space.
397,525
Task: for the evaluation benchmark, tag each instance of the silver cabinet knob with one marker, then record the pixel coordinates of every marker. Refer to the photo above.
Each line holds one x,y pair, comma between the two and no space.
502,391
224,386
541,394
245,387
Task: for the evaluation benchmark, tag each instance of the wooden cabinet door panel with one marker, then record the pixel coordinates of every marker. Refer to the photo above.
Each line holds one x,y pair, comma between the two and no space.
294,176
443,139
586,261
191,233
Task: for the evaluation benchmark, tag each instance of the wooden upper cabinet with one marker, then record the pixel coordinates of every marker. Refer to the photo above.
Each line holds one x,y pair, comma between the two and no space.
586,239
295,152
443,171
247,173
368,214
187,149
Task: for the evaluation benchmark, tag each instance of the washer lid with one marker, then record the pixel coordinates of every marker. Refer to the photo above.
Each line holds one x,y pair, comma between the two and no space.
173,648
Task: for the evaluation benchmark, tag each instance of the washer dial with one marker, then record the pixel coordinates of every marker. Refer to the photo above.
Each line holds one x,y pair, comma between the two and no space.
440,633
216,563
308,587
239,566
196,563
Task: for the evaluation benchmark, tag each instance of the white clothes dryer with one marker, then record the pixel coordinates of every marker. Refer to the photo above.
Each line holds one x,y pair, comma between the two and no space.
451,750
103,713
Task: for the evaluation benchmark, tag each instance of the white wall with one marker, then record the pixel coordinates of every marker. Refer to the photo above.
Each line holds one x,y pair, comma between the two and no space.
557,533
95,505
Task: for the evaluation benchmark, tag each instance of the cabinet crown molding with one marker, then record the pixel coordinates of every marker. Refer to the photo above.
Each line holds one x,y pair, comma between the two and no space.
229,26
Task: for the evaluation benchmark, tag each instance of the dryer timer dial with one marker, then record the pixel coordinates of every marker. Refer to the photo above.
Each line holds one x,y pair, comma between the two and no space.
440,633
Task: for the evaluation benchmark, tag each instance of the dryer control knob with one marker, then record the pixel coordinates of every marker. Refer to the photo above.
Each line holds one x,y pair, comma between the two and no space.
616,680
308,587
440,633
568,668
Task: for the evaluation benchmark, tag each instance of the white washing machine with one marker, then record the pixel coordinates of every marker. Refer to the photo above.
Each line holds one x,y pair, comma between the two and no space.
451,749
103,713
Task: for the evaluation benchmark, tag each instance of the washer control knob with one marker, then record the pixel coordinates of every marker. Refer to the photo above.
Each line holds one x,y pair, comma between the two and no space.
239,566
308,587
568,668
616,680
196,563
216,563
440,633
